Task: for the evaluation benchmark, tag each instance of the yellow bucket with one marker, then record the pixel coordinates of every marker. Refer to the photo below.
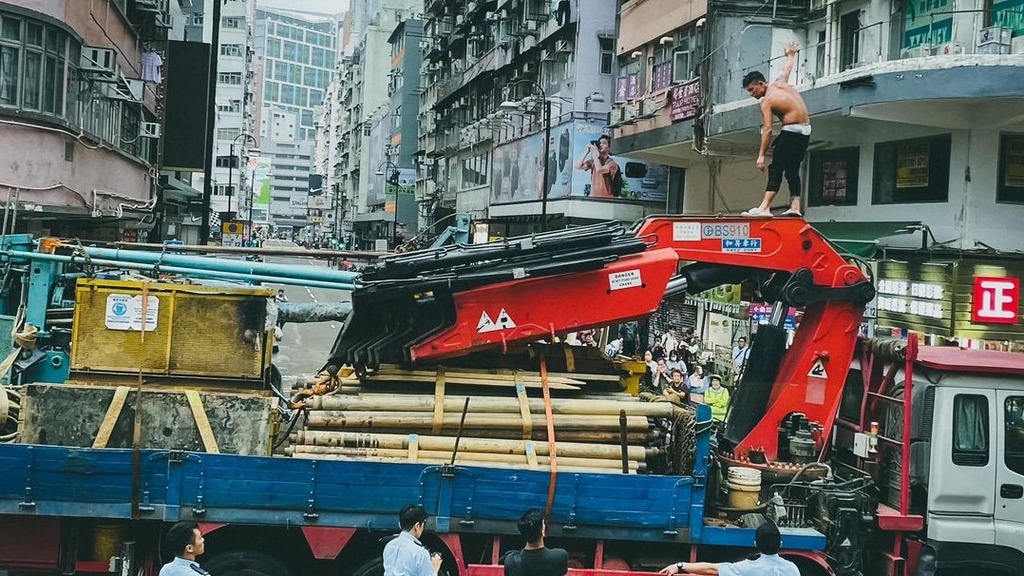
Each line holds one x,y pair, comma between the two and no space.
743,497
107,539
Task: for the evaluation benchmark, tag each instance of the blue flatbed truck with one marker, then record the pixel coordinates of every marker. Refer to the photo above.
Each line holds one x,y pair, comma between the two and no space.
285,516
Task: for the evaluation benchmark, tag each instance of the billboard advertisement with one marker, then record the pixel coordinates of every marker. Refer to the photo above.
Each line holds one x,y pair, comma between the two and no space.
259,179
578,166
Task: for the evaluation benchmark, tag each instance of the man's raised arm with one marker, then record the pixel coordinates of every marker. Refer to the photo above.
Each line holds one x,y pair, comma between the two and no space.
791,51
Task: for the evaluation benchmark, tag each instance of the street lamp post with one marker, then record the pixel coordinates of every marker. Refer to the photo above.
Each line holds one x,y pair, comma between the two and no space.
231,166
547,145
380,172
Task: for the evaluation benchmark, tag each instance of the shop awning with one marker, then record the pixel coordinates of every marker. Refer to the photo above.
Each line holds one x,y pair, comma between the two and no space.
861,238
178,192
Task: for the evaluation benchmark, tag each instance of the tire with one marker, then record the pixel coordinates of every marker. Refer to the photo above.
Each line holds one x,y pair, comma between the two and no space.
246,563
372,567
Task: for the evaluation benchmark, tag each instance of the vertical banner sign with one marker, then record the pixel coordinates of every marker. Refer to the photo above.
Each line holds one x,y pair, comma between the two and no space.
621,89
634,87
259,179
662,76
912,165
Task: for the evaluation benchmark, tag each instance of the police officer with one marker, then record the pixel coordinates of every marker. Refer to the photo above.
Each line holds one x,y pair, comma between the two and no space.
186,541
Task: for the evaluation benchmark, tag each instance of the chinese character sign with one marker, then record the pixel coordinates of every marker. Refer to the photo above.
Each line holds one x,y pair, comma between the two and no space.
685,101
996,300
621,89
634,87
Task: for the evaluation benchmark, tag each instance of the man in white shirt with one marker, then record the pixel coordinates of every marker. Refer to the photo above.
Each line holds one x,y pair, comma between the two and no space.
740,353
768,541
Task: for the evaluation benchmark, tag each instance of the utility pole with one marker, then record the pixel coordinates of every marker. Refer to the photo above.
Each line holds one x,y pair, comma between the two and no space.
211,120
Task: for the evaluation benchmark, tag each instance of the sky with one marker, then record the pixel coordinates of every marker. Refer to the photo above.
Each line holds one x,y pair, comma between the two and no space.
324,6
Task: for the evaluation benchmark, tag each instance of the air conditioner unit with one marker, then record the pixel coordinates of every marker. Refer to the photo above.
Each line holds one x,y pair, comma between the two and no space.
129,89
917,52
470,7
424,45
649,107
546,55
460,20
427,161
949,49
615,115
563,46
629,112
99,61
491,16
1017,45
530,25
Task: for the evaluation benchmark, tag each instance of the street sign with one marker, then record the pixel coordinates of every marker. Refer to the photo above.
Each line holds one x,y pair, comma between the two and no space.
232,233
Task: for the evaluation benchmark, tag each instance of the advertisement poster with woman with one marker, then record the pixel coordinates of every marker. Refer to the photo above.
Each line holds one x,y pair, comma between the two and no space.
582,164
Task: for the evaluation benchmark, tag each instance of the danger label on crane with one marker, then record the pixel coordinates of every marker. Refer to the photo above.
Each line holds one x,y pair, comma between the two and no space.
488,324
818,370
622,280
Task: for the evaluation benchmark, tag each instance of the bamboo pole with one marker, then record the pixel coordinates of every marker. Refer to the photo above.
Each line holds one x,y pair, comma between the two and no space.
442,456
648,437
423,420
565,469
492,404
447,443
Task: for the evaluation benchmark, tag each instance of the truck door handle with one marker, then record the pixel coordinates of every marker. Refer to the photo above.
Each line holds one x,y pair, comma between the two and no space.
1012,491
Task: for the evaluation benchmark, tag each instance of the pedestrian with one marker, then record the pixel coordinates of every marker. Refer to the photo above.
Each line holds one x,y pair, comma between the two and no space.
405,555
717,398
740,353
781,100
186,542
534,559
696,381
767,539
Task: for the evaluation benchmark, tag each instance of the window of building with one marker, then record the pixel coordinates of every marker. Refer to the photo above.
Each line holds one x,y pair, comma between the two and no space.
1013,412
475,170
607,55
232,50
970,430
194,19
909,171
232,22
231,78
228,133
33,64
819,55
273,48
833,177
1010,185
223,190
849,39
231,106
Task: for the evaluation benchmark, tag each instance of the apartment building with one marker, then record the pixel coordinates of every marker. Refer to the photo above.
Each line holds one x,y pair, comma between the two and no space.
365,101
915,158
79,106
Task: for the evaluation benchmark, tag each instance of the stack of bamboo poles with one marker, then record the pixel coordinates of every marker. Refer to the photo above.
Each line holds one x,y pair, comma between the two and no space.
394,415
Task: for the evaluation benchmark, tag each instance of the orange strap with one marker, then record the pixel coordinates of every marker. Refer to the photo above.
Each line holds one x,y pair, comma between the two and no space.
552,446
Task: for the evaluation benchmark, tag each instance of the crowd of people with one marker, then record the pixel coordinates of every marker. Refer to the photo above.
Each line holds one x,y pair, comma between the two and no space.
677,371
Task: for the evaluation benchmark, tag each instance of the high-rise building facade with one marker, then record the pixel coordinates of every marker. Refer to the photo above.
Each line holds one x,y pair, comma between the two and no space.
298,51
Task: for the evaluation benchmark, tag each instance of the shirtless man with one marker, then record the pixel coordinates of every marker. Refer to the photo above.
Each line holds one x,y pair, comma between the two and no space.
780,99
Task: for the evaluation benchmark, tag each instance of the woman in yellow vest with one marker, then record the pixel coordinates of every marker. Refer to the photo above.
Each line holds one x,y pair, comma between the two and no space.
717,398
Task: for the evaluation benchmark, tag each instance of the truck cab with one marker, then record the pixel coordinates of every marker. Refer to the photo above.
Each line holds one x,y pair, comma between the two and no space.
967,454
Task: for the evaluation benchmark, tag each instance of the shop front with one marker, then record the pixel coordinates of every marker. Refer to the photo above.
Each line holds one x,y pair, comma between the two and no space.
971,303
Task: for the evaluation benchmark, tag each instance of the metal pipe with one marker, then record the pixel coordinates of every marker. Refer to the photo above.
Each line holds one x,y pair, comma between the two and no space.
213,274
237,267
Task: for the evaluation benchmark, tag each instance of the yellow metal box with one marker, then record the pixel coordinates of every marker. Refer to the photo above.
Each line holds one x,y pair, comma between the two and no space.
196,331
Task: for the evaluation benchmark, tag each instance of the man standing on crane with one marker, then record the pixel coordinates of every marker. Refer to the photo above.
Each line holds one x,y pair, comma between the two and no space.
780,99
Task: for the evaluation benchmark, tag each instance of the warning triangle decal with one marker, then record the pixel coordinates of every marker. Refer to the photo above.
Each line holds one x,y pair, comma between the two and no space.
485,324
818,370
505,321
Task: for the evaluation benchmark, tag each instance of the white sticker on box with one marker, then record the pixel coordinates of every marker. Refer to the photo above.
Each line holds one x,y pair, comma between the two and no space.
686,231
623,280
124,312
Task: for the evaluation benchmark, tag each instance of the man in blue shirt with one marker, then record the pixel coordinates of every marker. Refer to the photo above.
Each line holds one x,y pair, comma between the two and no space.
186,541
768,541
405,555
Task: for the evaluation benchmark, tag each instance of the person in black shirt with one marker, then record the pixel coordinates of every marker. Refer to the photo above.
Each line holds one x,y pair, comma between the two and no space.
534,559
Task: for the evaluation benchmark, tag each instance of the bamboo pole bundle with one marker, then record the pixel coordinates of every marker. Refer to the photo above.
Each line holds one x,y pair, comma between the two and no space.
430,456
466,444
488,404
543,468
424,420
645,438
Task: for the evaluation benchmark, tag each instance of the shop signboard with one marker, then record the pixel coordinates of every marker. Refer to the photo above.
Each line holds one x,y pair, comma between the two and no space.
761,313
929,23
1009,14
685,101
963,299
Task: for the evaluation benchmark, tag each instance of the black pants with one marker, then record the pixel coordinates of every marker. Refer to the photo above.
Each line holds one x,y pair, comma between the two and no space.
787,154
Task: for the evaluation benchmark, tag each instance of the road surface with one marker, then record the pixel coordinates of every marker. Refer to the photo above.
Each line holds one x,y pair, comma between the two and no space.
304,348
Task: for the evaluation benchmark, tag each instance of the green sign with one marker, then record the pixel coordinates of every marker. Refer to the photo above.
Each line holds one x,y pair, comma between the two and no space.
929,22
1009,14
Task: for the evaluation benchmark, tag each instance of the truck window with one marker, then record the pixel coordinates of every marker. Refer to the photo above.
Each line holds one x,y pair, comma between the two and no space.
1014,454
970,430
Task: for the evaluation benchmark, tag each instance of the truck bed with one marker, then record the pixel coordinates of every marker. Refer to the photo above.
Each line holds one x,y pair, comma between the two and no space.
98,483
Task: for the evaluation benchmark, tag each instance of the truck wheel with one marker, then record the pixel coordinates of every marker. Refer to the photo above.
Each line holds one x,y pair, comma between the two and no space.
372,567
247,564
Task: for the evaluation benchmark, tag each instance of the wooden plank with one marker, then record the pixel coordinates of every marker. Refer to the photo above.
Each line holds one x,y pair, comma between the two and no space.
110,418
202,422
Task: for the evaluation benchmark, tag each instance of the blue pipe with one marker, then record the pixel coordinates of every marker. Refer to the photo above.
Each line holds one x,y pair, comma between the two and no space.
214,274
221,265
